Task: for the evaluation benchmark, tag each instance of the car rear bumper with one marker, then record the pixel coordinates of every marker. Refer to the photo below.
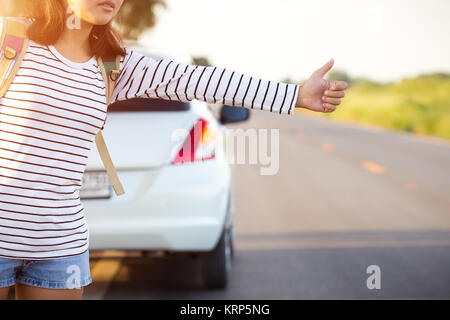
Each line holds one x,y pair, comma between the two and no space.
177,208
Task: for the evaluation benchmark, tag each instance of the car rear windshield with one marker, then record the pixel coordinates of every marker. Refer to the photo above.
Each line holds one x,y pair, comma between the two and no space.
148,104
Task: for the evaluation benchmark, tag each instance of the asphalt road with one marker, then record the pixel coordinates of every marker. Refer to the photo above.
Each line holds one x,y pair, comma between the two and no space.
345,197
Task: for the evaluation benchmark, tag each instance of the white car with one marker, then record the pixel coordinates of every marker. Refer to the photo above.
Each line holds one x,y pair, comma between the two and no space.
171,203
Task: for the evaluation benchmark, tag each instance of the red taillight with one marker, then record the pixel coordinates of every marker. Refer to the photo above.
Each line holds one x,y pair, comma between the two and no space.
199,144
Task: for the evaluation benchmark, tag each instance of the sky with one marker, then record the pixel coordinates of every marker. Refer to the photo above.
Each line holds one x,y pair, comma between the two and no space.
384,40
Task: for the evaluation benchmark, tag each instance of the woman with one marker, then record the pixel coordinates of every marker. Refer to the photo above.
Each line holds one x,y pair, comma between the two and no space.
51,114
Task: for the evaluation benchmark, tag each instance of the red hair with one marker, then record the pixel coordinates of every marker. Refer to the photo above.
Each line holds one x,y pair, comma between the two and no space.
49,21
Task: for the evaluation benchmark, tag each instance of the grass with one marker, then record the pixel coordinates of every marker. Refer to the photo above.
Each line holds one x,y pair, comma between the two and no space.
420,105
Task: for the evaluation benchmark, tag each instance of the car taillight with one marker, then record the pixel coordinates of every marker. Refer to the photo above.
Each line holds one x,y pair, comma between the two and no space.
199,144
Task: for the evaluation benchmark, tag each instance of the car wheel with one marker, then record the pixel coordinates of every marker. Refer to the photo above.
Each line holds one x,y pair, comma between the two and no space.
216,265
231,236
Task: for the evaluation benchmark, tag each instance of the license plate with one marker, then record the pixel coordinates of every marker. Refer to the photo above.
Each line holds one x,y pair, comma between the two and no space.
95,185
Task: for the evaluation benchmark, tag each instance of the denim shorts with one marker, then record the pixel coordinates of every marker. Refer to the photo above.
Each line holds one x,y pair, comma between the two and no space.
62,273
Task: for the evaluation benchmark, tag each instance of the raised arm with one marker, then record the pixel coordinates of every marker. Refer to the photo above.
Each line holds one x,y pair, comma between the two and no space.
142,76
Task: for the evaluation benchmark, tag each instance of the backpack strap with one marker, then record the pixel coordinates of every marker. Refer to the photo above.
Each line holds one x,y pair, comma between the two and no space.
110,71
13,44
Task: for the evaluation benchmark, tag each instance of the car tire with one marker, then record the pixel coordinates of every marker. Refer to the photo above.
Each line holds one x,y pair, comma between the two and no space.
231,236
216,264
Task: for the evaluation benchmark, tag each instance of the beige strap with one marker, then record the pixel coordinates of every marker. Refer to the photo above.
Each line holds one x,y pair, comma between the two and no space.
100,141
107,162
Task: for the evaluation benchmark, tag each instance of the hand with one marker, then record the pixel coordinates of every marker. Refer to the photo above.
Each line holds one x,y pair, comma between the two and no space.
321,95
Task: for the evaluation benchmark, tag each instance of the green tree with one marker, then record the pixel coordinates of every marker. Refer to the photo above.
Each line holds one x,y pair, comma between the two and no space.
201,61
137,16
339,75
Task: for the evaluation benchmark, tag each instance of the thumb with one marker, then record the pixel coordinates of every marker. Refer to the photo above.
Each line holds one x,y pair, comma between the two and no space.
321,72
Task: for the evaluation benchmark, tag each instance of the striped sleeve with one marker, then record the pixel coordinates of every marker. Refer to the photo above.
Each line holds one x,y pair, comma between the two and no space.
142,76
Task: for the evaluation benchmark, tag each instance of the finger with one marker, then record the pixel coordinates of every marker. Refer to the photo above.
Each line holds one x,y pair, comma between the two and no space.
321,72
328,107
335,94
335,101
338,85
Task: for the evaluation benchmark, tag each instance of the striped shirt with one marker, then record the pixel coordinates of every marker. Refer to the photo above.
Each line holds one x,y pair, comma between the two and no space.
48,121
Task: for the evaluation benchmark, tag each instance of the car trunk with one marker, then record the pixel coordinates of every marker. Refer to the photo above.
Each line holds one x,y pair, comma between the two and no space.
139,137
139,134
